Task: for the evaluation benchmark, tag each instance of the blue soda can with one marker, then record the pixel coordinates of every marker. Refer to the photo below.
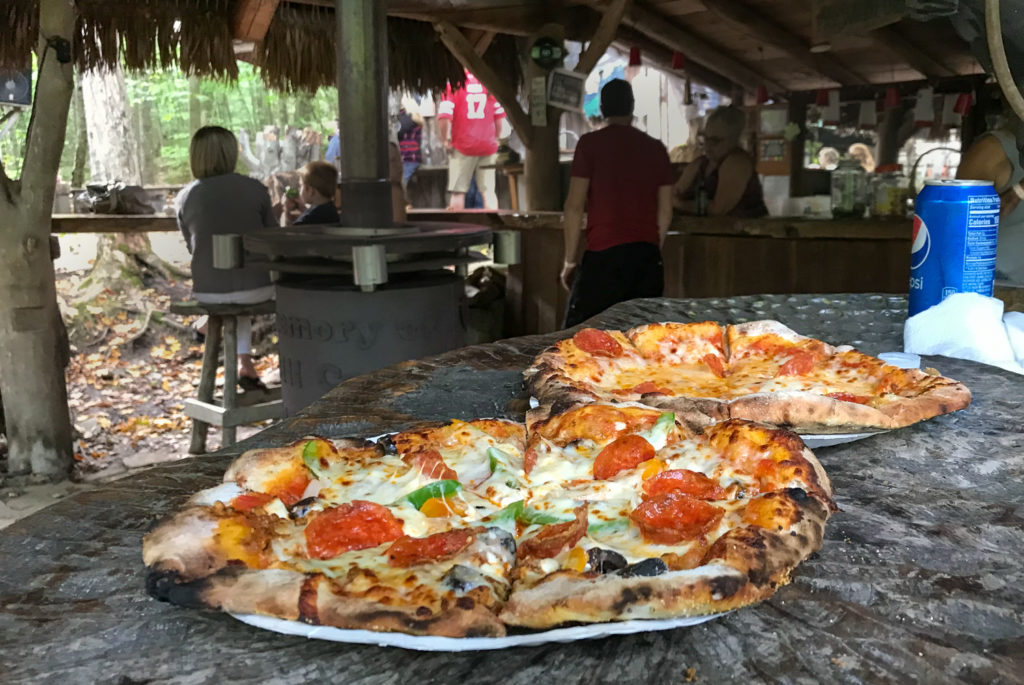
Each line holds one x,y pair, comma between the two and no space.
956,225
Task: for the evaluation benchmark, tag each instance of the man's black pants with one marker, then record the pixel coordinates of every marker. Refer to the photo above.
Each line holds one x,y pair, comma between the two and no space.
617,274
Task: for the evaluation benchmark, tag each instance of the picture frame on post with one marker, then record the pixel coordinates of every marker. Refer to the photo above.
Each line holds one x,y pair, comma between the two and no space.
566,89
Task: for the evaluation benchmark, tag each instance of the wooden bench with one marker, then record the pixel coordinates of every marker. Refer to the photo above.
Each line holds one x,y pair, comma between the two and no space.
233,409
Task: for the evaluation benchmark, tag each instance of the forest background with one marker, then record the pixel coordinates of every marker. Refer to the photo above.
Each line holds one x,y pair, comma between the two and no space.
165,106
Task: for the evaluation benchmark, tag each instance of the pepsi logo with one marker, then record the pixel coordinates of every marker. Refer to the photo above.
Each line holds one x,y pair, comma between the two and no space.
921,244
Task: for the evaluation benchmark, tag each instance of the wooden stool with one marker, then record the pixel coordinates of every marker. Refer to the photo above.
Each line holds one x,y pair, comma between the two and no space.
204,410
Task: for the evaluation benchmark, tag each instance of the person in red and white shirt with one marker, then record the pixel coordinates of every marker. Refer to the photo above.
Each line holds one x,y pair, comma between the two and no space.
469,123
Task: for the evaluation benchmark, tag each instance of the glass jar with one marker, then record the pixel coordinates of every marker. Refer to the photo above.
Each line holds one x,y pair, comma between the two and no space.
849,190
890,191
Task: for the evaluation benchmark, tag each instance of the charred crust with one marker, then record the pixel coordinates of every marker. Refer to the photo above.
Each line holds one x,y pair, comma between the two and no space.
308,600
387,444
631,596
164,586
723,587
798,495
465,603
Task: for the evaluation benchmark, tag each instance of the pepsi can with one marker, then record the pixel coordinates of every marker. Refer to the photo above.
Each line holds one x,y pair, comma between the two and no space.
956,225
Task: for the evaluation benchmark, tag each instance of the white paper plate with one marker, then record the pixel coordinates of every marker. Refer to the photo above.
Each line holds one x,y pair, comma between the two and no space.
467,644
829,439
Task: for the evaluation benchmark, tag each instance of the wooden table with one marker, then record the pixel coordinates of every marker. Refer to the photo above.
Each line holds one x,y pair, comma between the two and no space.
919,580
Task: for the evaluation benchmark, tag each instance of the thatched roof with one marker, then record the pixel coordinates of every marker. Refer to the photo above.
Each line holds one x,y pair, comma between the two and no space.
196,35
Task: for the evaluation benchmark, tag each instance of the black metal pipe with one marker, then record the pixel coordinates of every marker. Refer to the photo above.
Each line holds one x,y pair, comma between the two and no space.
363,112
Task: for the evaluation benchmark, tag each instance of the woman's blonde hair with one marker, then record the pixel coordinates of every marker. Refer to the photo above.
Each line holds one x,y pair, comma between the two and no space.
731,117
212,152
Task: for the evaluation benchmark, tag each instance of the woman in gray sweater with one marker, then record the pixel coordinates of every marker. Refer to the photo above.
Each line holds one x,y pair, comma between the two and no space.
221,201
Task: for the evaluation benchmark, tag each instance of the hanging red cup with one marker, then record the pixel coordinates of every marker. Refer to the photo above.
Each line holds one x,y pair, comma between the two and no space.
761,94
634,57
678,60
892,97
963,104
821,98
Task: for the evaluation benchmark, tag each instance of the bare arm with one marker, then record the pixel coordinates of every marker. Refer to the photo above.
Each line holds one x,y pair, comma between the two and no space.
498,127
572,225
986,161
683,186
664,212
733,176
444,129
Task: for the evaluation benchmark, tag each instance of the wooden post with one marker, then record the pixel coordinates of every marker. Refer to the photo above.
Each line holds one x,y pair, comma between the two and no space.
542,168
31,374
797,112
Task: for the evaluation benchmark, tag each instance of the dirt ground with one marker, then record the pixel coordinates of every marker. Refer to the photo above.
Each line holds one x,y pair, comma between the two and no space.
127,381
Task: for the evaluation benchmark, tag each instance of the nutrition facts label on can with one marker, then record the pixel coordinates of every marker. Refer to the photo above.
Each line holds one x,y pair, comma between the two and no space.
980,242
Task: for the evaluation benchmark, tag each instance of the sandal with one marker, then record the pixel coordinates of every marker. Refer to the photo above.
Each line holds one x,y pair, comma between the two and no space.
250,384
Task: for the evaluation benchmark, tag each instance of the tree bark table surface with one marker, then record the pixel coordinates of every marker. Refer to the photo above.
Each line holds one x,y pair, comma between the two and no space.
920,578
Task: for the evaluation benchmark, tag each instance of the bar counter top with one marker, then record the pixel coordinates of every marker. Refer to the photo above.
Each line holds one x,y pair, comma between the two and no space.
920,578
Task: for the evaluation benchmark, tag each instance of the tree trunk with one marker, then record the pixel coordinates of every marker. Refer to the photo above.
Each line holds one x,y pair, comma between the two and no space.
81,140
195,105
31,373
112,139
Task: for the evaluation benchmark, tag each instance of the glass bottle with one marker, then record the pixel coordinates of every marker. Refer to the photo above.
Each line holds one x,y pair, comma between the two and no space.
849,190
890,192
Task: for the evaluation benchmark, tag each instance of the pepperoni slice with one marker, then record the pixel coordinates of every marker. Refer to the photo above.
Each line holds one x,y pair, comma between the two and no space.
692,483
250,500
849,397
597,343
357,525
407,551
715,363
650,387
553,538
431,464
529,460
623,453
673,517
800,362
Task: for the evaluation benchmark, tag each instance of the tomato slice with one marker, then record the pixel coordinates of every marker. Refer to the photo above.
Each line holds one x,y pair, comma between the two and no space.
849,397
290,486
348,527
598,343
250,500
407,551
799,363
622,453
716,364
692,483
673,517
431,464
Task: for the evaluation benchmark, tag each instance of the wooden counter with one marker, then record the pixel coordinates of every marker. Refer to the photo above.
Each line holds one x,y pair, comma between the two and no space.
712,257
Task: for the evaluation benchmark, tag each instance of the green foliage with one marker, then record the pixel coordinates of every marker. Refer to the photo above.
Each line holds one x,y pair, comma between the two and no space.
163,97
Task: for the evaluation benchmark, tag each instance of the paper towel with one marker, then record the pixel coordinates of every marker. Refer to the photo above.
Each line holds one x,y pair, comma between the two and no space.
966,326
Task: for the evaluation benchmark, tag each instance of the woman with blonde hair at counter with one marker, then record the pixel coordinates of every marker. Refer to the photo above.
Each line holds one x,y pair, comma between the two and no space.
722,181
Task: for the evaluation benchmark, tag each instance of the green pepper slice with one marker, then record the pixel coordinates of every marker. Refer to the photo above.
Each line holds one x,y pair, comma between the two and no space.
311,459
439,488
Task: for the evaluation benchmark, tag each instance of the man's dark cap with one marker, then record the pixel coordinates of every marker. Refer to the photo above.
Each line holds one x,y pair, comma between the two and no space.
617,98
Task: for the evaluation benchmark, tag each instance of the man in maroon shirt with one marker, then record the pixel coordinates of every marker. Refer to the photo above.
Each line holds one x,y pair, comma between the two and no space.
623,178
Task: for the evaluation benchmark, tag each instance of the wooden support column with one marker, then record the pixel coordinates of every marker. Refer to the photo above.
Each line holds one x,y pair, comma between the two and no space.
929,67
797,111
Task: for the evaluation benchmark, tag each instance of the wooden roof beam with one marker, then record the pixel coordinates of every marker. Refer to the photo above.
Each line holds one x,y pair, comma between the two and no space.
579,22
696,49
252,19
763,28
891,39
856,17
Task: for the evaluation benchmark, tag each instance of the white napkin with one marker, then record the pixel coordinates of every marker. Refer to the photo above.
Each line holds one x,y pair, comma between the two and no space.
968,326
